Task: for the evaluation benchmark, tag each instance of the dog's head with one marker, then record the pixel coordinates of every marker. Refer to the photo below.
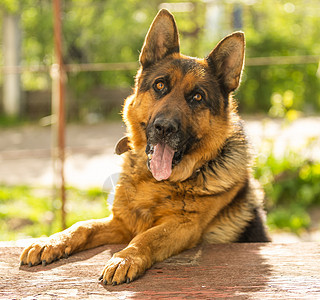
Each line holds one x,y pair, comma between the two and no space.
181,109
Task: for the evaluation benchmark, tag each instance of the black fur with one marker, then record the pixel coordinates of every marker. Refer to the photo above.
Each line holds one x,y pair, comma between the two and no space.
255,232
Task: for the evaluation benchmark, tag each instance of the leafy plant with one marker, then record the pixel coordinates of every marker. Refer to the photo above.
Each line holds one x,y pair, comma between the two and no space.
292,186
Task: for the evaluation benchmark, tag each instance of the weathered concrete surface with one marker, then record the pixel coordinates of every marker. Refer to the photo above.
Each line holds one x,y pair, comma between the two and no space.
241,271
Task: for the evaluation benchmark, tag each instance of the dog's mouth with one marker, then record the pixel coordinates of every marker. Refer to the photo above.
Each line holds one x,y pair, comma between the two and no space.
161,160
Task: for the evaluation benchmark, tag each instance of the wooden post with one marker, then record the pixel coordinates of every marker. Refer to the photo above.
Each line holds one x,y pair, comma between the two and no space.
11,59
60,72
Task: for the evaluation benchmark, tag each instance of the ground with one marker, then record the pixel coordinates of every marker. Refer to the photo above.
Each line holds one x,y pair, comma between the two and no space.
225,271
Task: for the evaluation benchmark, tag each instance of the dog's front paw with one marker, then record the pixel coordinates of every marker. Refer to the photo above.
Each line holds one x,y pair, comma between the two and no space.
123,268
45,251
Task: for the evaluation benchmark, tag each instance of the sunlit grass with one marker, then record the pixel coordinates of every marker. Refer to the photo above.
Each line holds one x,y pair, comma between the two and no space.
32,212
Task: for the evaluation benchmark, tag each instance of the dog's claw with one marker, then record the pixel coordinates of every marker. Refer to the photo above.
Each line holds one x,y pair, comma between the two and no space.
114,283
100,278
30,264
128,280
44,263
105,282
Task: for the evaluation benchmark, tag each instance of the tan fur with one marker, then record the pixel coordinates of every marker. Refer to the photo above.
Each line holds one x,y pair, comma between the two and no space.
210,195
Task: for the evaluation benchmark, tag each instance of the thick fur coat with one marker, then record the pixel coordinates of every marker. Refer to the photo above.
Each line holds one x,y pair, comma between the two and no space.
186,175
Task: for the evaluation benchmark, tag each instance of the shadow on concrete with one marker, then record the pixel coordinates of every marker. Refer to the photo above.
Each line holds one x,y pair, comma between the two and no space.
82,257
207,271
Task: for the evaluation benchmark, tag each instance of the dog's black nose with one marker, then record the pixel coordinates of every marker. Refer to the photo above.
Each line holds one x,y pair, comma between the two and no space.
164,127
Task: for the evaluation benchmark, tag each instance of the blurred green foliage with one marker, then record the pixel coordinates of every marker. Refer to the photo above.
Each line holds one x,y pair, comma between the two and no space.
282,28
113,31
28,212
292,186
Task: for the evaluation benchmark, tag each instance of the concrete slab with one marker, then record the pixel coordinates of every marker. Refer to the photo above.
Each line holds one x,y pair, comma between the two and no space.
240,271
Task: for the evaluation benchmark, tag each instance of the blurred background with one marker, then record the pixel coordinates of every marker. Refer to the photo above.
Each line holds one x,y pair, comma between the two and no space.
279,99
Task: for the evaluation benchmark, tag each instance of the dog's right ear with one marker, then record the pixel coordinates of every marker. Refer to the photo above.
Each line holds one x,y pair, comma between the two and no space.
162,39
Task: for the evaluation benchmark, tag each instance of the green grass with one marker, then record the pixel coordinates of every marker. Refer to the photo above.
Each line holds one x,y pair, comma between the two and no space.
33,212
6,121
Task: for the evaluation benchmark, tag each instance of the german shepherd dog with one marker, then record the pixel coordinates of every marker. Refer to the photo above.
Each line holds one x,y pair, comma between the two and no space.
186,174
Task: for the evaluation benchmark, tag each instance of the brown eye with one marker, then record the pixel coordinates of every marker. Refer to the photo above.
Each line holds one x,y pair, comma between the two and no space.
160,86
197,97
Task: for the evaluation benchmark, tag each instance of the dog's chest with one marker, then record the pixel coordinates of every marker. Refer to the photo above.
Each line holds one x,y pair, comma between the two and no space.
151,204
142,202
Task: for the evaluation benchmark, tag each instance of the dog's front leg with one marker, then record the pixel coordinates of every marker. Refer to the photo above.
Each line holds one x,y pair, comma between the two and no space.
80,236
155,244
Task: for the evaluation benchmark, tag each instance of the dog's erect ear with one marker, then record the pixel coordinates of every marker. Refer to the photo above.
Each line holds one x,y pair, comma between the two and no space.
162,39
227,59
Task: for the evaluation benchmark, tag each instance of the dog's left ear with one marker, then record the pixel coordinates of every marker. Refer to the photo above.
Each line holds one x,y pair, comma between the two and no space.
122,146
162,39
227,60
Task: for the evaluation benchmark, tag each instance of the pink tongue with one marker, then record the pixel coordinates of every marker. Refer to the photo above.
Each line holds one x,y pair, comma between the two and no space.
161,162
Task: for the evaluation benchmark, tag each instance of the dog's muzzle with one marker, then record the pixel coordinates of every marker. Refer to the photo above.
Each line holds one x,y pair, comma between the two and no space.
163,147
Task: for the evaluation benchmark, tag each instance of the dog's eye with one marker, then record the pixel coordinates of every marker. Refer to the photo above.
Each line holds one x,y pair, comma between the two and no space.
197,97
159,86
